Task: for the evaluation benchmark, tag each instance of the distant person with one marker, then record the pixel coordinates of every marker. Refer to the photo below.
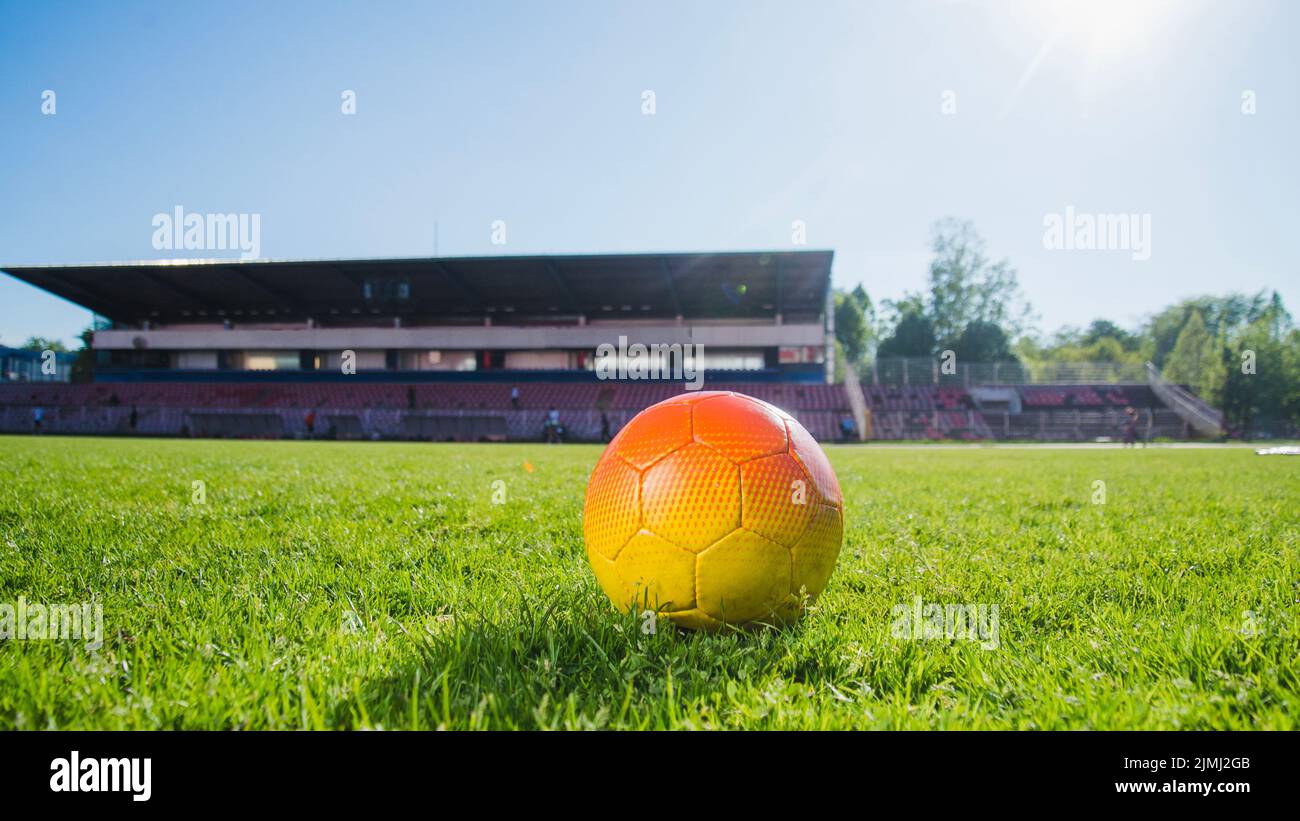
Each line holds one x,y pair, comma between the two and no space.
514,397
604,427
846,427
410,397
552,429
133,419
310,420
1130,426
38,416
113,401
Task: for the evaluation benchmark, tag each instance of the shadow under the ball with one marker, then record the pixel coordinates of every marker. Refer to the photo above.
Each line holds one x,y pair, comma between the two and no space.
562,659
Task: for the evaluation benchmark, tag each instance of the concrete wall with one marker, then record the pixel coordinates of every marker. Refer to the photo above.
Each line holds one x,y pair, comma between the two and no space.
458,338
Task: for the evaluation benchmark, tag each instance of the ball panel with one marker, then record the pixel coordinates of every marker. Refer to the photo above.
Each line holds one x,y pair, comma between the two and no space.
612,512
743,577
767,405
692,397
777,498
659,575
653,434
695,619
738,428
610,581
816,552
691,497
810,454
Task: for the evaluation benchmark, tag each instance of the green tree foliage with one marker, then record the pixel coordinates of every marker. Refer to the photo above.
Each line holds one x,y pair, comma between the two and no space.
1222,316
983,341
967,291
40,343
1262,375
1197,360
1102,329
864,302
852,330
966,286
913,335
1070,345
83,367
1202,342
1290,407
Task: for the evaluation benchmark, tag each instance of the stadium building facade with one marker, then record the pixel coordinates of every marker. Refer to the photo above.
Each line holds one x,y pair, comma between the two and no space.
763,314
497,348
470,347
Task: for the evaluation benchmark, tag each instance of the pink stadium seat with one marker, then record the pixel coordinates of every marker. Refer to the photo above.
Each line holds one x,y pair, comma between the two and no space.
162,407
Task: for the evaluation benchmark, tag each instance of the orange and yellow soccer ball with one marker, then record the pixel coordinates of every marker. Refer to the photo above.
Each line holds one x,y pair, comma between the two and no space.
714,508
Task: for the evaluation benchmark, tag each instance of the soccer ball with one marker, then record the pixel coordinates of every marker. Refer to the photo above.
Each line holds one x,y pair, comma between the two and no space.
713,508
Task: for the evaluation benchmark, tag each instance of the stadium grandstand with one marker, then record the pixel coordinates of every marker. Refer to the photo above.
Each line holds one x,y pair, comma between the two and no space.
497,348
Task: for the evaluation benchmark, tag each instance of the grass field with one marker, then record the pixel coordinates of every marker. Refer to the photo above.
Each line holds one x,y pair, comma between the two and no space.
330,585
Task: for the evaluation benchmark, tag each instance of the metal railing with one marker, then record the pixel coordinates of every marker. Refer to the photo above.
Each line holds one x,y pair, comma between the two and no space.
938,371
857,404
1191,408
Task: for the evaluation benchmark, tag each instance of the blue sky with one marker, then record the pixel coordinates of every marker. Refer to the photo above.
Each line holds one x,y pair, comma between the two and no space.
765,113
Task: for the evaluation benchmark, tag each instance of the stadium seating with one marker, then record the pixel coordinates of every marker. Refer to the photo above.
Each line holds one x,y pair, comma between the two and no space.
1084,425
1089,396
465,411
440,411
1049,413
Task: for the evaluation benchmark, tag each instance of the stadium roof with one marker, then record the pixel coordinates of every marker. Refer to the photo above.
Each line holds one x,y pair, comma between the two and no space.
732,284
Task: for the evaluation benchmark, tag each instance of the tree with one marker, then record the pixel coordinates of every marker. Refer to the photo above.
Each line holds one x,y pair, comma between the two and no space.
1197,360
40,343
1261,374
966,286
1112,350
1290,391
1222,316
1105,329
83,367
913,335
983,341
860,296
1240,353
851,329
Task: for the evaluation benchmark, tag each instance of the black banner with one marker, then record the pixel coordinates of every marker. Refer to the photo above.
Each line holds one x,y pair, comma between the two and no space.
144,771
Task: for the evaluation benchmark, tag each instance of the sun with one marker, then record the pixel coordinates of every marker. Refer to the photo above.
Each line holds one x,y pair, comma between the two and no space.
1104,29
1100,41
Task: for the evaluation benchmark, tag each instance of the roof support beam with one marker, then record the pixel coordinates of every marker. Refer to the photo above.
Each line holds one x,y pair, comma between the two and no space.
667,270
247,275
91,297
780,289
197,301
553,271
459,284
348,275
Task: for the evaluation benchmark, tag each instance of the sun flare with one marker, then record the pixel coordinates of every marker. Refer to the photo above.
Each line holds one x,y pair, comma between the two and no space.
1103,28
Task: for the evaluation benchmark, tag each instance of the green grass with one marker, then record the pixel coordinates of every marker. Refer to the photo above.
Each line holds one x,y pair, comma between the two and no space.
332,585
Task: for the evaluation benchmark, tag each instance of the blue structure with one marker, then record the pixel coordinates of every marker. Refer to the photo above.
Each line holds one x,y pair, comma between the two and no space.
20,365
